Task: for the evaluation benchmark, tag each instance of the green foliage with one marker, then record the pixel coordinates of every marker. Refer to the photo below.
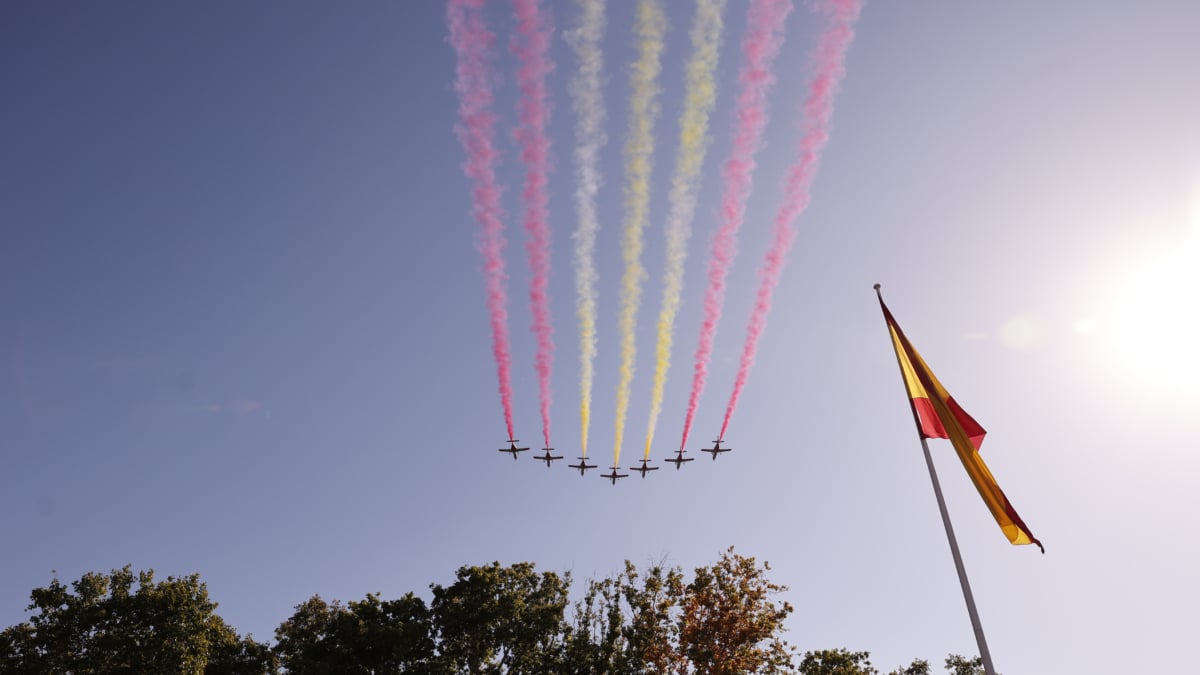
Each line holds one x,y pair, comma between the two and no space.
725,621
368,636
629,624
961,665
492,620
837,662
103,624
495,620
595,643
845,662
917,667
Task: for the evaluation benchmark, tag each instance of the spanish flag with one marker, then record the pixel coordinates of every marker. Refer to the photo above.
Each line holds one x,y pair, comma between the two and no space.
939,416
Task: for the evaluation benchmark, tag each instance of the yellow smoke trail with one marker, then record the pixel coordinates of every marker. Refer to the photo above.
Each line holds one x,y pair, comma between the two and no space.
587,100
639,160
693,143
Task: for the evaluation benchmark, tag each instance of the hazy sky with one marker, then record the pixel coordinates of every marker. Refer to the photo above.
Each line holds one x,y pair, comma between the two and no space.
243,331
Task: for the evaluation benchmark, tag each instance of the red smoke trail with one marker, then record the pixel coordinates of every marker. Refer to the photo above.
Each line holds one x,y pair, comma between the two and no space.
829,64
760,44
474,45
531,47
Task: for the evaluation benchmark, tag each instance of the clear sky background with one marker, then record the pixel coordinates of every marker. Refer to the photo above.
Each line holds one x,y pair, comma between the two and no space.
243,332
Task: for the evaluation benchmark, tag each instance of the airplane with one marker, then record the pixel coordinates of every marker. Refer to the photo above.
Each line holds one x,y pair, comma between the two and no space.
613,476
582,465
643,468
715,449
547,457
679,459
513,449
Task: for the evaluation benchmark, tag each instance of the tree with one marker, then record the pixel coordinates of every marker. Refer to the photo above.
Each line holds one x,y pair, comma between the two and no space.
730,622
724,621
656,619
367,636
494,620
629,623
961,665
917,667
844,662
103,624
595,643
307,642
244,657
491,620
837,662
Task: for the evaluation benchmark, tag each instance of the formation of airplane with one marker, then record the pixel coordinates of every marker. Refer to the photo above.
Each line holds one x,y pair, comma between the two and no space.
644,468
547,457
716,448
513,449
582,465
679,459
613,475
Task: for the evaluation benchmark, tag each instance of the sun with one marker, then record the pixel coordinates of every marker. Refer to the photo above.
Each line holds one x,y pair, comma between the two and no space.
1153,323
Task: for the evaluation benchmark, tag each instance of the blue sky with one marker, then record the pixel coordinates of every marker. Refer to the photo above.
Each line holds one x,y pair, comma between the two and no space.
243,333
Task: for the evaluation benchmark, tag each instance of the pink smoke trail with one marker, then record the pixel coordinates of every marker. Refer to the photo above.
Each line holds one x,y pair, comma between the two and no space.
474,44
764,34
829,65
531,46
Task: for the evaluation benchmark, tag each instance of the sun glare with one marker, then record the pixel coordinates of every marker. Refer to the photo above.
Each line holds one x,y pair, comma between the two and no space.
1154,321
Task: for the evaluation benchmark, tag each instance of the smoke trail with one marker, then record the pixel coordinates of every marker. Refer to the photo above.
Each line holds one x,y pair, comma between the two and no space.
639,160
766,22
474,45
588,102
829,65
531,46
707,28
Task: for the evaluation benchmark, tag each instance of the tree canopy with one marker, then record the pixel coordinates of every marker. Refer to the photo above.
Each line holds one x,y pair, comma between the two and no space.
125,623
723,619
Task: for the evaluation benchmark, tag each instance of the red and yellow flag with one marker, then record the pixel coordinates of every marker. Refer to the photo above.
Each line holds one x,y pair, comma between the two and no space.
939,416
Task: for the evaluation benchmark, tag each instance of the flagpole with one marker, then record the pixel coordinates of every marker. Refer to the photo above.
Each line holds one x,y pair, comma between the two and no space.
980,639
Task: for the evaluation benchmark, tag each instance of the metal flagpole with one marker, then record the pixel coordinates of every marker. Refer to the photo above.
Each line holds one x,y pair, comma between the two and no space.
937,491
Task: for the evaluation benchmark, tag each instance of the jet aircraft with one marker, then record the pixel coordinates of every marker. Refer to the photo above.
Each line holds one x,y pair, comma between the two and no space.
513,449
582,465
547,457
613,476
643,468
679,459
716,448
